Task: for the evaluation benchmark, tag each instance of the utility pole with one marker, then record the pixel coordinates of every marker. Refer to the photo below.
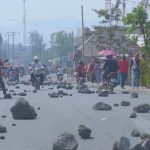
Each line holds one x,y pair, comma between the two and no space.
13,43
124,7
82,33
8,53
13,36
108,9
72,34
24,22
146,5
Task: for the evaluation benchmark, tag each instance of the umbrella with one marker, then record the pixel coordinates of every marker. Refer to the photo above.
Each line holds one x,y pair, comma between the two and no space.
107,52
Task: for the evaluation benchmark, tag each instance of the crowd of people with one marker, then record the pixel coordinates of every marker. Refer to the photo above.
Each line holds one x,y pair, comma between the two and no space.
137,69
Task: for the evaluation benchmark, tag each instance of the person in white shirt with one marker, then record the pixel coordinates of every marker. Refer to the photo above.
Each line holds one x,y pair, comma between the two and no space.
36,65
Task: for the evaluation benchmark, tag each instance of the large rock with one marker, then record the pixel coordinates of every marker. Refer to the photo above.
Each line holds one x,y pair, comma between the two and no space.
135,133
102,106
124,143
66,141
145,136
53,95
23,110
144,108
84,132
125,103
125,92
22,94
103,93
144,145
115,105
133,115
62,93
17,87
69,87
3,129
84,89
134,95
137,147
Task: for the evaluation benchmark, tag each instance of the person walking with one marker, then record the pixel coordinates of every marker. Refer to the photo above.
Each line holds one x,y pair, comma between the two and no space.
145,71
90,71
80,70
110,66
1,78
123,70
135,71
97,71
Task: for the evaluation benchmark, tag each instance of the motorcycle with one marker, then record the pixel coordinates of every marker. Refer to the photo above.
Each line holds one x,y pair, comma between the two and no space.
112,81
36,82
22,73
59,77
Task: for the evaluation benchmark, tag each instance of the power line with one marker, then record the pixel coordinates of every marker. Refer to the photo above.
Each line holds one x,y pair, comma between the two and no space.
32,24
24,22
13,42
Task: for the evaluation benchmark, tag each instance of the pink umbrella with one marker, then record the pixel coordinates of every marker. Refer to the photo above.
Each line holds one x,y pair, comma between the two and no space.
107,52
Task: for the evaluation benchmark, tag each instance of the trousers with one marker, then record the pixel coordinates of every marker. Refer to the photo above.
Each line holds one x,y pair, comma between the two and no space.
2,85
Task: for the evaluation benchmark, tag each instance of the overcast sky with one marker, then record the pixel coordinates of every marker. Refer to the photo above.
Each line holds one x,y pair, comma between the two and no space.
11,12
47,9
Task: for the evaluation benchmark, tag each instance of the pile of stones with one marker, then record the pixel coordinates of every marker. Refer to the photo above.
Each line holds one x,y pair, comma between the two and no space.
60,93
102,106
84,89
67,141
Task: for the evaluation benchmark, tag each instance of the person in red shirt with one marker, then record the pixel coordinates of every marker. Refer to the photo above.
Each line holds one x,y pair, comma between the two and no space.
80,70
123,70
89,71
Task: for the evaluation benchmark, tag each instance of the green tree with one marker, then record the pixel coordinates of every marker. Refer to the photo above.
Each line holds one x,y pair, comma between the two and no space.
1,40
138,21
37,45
62,43
113,17
3,48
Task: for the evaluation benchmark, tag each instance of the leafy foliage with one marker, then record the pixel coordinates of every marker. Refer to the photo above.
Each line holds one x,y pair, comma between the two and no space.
62,43
36,44
114,16
138,20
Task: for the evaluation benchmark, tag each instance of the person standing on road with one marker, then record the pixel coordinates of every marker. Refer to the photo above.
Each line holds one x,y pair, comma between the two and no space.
1,78
145,71
80,70
110,66
90,71
97,71
123,70
135,71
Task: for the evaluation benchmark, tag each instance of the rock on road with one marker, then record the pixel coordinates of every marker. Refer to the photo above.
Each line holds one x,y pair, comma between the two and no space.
65,114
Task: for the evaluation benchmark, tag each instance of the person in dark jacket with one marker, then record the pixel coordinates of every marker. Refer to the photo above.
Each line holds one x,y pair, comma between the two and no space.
109,66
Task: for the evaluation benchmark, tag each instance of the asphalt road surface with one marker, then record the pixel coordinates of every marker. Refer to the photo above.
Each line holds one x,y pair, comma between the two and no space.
66,114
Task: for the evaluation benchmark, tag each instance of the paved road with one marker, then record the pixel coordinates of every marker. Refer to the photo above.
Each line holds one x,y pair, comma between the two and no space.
65,114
